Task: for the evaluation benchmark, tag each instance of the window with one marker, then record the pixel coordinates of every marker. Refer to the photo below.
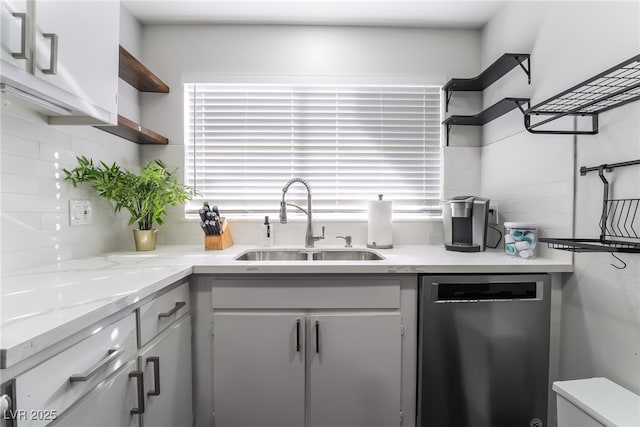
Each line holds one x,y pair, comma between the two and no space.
243,142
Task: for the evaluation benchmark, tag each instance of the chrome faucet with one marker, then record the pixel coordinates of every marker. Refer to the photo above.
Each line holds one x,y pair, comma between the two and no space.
309,238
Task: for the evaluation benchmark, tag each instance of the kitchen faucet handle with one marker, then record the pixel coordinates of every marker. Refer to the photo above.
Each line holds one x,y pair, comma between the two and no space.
347,241
319,237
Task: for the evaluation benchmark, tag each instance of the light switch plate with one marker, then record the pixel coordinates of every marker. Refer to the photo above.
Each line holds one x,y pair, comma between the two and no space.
80,212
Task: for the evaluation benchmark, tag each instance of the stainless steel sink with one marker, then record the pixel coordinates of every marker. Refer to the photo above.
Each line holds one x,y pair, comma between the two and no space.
285,255
309,255
354,255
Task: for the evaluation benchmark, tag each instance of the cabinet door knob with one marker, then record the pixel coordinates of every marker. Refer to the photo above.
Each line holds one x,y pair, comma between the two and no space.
23,36
5,404
53,54
156,375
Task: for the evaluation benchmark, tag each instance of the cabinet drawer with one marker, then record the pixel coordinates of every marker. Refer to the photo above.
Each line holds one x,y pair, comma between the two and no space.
306,293
156,315
62,380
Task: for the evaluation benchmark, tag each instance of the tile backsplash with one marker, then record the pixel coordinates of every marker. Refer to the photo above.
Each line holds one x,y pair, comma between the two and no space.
34,197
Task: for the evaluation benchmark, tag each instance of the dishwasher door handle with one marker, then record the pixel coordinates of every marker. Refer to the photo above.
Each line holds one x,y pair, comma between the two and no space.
458,292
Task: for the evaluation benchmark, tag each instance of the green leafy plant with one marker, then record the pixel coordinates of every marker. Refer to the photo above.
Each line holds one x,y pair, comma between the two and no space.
145,196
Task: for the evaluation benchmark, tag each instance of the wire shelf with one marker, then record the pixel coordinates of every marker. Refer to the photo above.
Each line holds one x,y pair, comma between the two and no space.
614,87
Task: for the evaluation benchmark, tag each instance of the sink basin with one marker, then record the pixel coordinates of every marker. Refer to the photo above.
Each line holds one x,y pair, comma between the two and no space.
309,255
287,255
354,255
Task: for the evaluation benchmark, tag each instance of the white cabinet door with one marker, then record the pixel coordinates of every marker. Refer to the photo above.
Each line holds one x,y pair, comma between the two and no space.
166,364
354,370
86,33
109,405
258,370
15,33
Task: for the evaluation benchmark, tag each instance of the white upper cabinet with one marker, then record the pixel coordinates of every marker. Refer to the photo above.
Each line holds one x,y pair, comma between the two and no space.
72,57
15,33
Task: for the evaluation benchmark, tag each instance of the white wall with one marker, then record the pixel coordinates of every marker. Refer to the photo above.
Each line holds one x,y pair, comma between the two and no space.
130,39
532,175
35,200
174,50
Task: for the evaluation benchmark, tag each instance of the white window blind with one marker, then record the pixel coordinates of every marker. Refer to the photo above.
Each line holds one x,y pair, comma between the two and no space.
244,142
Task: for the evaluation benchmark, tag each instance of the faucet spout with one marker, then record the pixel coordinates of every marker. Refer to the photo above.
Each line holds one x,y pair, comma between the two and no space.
309,238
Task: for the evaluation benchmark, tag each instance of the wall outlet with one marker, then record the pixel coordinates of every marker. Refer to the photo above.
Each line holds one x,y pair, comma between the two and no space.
80,212
493,214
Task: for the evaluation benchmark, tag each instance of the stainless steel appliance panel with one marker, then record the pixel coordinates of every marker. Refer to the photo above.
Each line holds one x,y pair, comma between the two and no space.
483,350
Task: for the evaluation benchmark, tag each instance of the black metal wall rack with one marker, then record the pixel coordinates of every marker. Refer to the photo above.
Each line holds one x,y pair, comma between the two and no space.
612,88
499,68
619,221
498,109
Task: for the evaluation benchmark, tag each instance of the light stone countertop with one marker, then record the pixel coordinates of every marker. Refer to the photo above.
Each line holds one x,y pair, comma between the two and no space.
42,306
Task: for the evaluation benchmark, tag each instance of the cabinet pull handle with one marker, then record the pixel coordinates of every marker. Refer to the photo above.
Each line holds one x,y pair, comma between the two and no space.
53,54
298,335
140,387
23,36
173,311
112,355
317,337
156,375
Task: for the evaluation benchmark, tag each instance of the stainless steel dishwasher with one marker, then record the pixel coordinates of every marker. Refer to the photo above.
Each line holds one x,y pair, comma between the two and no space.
483,350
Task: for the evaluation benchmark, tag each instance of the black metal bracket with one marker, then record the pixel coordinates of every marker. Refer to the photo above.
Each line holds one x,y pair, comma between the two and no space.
531,128
527,69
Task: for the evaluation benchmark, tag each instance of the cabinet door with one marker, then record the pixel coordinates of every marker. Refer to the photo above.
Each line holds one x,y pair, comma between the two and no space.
109,405
258,370
15,33
87,51
354,370
168,398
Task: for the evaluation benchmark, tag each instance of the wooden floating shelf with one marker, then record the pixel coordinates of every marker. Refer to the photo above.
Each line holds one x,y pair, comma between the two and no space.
140,77
128,129
137,75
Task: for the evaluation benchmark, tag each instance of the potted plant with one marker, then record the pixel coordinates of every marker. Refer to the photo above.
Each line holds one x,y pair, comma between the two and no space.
145,196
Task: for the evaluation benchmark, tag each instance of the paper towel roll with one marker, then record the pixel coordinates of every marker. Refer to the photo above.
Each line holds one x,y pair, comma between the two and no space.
379,228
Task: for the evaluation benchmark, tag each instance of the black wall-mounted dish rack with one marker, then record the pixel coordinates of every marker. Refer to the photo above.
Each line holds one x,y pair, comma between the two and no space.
612,88
619,221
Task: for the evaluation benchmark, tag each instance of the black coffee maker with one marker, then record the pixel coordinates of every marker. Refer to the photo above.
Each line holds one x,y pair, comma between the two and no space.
465,223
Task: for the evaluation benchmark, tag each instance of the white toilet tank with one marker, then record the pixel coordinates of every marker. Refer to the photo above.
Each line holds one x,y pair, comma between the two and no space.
596,402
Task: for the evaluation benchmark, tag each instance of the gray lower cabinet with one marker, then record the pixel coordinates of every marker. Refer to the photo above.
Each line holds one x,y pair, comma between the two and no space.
307,368
110,404
166,366
354,370
259,375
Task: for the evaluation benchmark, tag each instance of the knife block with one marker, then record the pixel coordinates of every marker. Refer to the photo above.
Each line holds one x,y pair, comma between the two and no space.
223,241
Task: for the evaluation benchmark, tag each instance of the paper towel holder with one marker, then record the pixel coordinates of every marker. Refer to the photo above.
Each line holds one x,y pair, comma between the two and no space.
374,245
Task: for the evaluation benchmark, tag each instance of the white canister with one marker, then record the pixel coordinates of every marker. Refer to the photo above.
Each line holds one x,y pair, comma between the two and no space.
520,239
